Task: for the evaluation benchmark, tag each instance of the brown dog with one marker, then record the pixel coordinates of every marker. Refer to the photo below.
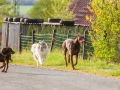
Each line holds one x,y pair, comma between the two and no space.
5,56
73,48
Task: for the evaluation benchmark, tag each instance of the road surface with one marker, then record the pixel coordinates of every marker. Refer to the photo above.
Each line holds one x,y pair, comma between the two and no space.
33,78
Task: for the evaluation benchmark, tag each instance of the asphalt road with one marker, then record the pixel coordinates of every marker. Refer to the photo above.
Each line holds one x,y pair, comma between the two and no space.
33,78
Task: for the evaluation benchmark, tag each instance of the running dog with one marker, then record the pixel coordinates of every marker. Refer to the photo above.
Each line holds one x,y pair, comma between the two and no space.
73,48
5,56
39,51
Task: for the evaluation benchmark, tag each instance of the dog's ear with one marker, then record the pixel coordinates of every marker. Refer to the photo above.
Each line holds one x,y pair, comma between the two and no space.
39,41
79,34
7,47
4,48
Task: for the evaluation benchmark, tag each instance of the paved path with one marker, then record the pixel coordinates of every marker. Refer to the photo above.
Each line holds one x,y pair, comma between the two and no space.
32,78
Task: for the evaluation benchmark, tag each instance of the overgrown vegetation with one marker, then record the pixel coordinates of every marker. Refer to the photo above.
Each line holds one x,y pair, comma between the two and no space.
52,9
55,60
5,10
105,23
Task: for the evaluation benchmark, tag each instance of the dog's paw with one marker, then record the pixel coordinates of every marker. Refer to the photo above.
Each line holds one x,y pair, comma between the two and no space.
1,67
5,71
73,68
2,71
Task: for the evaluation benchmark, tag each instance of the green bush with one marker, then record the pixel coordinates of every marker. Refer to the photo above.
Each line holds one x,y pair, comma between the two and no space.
105,31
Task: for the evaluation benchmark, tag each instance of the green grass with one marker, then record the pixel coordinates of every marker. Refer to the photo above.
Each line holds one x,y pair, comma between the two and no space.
25,9
56,60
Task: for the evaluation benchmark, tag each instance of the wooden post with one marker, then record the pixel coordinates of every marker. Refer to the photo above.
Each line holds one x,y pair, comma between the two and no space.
69,33
19,38
7,34
78,28
85,30
53,38
33,36
20,46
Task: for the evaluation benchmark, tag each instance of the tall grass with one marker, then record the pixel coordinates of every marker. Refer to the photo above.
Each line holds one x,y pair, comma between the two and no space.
55,60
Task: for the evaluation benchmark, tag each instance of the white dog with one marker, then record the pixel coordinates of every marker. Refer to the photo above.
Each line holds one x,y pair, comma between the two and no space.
39,51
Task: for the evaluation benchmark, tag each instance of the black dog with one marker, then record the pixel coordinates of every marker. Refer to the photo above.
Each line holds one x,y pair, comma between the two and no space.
5,56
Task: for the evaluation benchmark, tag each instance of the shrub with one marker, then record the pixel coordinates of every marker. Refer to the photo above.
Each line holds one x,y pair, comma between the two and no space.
105,31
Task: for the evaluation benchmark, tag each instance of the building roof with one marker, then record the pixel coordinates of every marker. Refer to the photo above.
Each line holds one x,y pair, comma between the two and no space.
80,10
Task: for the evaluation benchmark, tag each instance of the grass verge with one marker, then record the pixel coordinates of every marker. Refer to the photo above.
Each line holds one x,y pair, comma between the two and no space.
56,60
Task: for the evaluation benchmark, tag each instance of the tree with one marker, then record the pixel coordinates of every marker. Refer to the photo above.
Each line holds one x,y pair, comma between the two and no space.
5,10
51,9
24,2
105,33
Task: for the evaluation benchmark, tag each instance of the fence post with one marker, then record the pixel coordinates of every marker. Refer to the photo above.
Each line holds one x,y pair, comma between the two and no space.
69,33
53,39
33,36
20,44
7,34
85,30
78,28
19,38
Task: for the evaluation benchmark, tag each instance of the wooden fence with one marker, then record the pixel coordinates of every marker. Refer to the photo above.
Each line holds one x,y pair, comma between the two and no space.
11,35
55,40
21,36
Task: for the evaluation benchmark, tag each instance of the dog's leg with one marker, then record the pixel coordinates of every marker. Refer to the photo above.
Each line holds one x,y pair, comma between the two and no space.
65,51
68,58
76,59
1,67
72,62
37,63
4,65
36,59
40,59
